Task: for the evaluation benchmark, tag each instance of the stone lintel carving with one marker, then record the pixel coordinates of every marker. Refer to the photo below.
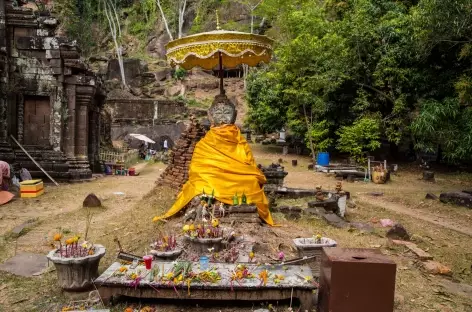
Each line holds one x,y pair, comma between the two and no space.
81,80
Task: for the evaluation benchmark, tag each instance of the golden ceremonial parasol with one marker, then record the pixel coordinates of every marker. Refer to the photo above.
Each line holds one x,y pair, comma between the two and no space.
219,49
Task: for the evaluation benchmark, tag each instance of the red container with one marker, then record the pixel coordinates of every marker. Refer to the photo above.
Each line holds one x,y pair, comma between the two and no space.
148,262
131,171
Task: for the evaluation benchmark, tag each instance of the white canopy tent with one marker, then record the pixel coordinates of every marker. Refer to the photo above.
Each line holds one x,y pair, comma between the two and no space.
142,138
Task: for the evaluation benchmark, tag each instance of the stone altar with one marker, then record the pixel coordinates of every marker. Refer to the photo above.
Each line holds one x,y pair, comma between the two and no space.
294,284
49,99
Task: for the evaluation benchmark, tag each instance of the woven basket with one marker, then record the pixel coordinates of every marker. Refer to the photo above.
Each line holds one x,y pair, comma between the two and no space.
307,247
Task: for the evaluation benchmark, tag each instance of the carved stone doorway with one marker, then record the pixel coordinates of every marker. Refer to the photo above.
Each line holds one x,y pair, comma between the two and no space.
37,121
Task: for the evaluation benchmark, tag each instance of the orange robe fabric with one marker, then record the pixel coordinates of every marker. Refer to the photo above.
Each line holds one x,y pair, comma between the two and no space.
222,161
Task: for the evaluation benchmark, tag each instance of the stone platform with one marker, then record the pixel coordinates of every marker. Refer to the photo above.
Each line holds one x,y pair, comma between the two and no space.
293,285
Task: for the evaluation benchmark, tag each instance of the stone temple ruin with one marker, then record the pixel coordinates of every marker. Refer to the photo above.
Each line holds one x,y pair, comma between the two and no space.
176,174
50,100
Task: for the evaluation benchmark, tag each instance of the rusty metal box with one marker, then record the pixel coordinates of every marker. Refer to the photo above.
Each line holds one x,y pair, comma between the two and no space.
356,280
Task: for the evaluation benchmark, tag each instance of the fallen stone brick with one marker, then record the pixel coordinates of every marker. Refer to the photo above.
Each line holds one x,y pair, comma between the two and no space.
398,232
433,267
92,201
458,198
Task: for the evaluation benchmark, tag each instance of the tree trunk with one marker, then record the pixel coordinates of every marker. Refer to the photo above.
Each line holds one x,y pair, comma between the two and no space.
165,20
312,146
114,34
181,17
245,73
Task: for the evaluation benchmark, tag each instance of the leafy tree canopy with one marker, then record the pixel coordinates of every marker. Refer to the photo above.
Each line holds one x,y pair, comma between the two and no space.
352,73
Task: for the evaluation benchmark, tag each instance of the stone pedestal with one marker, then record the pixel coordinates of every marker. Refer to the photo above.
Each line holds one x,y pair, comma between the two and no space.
77,274
203,245
79,169
275,176
241,214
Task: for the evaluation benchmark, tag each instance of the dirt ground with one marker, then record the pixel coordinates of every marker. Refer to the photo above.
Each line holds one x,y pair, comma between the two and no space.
442,230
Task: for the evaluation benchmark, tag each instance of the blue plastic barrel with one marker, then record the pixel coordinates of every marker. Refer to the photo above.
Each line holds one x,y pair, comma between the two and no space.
323,159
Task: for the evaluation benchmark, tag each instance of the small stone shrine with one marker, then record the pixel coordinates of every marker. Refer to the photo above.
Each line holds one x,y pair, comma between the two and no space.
275,175
49,99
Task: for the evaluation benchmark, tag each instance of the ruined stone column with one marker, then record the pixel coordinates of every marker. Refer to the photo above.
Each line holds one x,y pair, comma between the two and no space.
6,152
69,140
83,100
94,139
79,167
20,108
3,74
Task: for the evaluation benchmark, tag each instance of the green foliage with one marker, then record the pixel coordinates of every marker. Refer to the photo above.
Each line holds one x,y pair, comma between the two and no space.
340,62
180,73
318,133
80,15
142,17
362,136
445,124
266,107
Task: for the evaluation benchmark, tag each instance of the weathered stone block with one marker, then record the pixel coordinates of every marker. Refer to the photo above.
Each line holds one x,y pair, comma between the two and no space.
92,201
398,232
458,198
53,54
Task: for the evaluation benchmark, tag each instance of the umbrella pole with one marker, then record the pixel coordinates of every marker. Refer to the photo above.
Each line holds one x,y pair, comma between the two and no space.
222,90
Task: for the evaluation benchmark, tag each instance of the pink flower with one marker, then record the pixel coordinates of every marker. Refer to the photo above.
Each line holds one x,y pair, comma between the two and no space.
281,255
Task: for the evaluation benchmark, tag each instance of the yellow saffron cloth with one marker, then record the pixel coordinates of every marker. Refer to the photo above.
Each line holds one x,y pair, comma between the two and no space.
222,161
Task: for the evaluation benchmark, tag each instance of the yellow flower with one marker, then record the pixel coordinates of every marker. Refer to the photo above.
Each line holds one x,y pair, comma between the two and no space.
76,239
186,228
123,269
208,231
215,222
155,219
199,226
192,227
251,255
69,241
169,275
57,237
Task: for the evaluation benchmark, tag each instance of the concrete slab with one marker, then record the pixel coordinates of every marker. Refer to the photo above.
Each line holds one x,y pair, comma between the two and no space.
19,228
315,211
335,221
25,264
363,227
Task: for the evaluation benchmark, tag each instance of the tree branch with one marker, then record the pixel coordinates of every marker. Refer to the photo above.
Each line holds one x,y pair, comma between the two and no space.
377,90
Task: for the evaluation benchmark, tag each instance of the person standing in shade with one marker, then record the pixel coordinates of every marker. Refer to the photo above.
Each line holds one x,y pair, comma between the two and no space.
4,175
166,147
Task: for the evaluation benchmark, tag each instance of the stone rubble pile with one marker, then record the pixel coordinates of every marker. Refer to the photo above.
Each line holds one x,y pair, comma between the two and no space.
176,174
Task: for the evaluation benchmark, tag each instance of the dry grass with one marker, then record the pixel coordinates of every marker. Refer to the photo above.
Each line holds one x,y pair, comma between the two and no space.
129,219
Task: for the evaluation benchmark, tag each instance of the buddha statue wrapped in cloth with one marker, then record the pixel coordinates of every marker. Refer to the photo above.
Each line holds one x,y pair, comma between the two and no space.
223,161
